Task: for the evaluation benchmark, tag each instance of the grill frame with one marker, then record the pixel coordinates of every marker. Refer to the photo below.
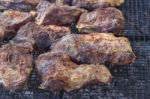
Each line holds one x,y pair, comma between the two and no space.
130,81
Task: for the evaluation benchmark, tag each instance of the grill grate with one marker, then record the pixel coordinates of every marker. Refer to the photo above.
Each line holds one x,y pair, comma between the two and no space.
130,81
137,17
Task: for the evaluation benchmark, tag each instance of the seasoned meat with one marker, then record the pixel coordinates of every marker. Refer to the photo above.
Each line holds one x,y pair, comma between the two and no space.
21,5
96,48
92,4
102,20
11,21
6,33
59,72
14,19
40,37
15,65
56,14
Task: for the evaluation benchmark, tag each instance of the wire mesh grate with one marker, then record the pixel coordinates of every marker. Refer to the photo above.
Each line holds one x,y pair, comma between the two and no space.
130,81
137,17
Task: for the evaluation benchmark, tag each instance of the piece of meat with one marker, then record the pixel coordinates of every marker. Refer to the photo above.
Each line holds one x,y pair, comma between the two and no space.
41,37
15,65
92,4
96,48
21,5
56,14
11,21
59,72
6,33
102,20
14,19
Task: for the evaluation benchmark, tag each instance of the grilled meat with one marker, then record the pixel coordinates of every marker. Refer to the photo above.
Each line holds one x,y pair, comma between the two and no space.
59,72
102,20
11,21
40,37
56,14
21,5
96,48
6,33
15,65
92,4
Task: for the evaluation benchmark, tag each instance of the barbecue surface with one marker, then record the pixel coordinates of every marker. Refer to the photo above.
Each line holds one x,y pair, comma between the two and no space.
130,82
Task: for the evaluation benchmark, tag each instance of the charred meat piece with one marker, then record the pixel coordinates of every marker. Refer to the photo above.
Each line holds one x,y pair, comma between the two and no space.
96,48
21,5
15,65
92,4
40,37
102,20
10,21
59,72
56,14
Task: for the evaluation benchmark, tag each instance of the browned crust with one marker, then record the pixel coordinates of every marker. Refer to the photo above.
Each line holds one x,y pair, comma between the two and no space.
109,20
41,37
96,48
11,21
15,65
59,72
56,14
